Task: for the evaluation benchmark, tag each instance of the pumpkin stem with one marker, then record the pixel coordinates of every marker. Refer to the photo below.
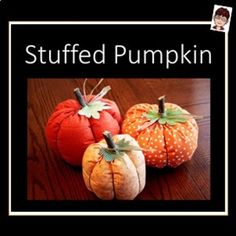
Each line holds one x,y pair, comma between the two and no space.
79,97
108,138
161,103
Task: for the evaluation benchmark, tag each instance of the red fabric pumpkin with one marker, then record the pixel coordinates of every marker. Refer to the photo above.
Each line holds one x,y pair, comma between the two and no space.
167,133
69,133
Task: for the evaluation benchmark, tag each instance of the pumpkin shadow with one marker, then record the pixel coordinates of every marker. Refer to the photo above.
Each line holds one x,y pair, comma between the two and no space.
65,165
160,172
72,167
159,183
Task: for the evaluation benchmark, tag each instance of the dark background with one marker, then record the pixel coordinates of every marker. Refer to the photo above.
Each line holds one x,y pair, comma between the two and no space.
40,10
93,37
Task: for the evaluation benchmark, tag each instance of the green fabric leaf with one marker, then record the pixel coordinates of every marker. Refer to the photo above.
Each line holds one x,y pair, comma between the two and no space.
171,121
92,109
109,154
180,119
172,116
173,112
152,115
122,146
162,121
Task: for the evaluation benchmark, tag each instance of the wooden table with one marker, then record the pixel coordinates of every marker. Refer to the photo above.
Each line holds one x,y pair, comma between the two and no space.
50,178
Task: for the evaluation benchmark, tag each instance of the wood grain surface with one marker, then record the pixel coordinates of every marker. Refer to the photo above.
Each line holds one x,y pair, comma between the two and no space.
50,178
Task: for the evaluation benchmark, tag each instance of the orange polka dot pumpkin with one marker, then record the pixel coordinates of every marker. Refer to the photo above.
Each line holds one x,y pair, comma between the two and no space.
167,133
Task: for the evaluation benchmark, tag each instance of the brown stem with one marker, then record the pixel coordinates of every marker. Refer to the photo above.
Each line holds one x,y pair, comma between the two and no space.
108,138
161,103
79,97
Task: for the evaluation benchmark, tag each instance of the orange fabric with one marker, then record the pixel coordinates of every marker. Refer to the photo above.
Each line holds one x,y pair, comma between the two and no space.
164,145
69,134
123,178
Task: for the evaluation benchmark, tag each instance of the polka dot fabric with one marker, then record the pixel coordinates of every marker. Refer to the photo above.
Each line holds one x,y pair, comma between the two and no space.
164,145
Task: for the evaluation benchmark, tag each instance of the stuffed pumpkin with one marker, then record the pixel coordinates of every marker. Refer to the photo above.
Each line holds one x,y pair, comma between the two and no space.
114,168
77,123
167,133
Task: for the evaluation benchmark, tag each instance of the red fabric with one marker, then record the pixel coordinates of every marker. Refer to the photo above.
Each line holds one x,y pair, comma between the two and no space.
69,134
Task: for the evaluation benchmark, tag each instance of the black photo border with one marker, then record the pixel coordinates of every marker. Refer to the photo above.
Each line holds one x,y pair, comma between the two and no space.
115,213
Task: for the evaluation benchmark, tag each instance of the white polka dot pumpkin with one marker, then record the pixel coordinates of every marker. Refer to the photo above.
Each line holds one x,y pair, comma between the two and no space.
167,133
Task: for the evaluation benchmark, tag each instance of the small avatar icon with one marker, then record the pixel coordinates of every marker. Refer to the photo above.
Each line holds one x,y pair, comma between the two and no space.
221,18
